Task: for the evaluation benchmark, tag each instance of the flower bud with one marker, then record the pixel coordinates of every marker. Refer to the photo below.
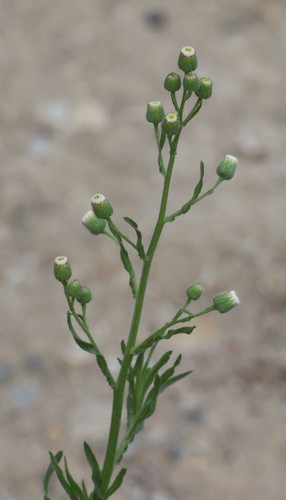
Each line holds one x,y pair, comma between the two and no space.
85,296
74,289
205,88
194,291
172,82
92,223
225,301
187,59
155,112
191,82
101,206
62,269
226,167
171,124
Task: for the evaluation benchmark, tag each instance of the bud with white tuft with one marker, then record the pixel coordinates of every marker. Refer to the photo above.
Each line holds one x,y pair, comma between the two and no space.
205,88
155,112
62,269
101,206
226,167
171,124
187,59
225,301
93,223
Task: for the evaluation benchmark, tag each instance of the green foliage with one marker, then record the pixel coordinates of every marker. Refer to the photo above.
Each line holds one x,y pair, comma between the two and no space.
143,375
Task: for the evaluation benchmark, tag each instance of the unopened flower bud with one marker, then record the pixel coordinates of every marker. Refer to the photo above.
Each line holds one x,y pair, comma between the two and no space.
226,167
225,301
205,88
62,269
171,124
172,82
93,223
187,59
74,289
101,206
194,291
155,112
191,82
85,296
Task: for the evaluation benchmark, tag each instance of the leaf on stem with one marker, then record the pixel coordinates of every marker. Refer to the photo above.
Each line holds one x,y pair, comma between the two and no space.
49,473
95,469
116,483
139,244
75,487
183,329
60,475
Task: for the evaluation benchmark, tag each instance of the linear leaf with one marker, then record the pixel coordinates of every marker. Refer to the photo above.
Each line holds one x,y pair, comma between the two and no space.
199,186
116,483
183,329
91,458
174,379
101,361
61,478
139,244
75,487
86,346
49,473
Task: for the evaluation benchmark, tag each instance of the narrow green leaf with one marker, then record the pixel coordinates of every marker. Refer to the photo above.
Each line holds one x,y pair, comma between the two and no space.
101,361
152,372
129,268
91,458
75,487
49,473
61,478
183,329
86,346
139,244
123,346
199,186
116,483
174,379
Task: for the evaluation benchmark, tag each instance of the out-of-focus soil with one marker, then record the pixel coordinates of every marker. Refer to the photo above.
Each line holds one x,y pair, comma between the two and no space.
75,79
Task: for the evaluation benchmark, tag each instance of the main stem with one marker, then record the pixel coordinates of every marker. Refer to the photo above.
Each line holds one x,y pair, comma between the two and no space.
118,395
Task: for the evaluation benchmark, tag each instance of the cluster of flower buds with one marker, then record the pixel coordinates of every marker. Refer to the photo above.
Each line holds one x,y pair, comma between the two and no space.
74,289
191,83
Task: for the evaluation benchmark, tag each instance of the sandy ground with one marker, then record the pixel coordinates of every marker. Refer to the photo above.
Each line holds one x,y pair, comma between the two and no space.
75,79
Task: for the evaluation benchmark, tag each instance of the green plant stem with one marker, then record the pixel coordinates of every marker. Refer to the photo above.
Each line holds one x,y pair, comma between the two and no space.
118,395
115,231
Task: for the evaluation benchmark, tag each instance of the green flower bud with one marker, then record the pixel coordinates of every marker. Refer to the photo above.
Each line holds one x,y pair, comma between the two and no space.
155,112
187,59
62,269
226,167
191,82
74,289
85,296
92,223
172,82
194,291
171,124
101,206
205,88
225,301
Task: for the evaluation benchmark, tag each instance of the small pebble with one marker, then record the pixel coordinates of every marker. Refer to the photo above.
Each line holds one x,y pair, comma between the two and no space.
156,18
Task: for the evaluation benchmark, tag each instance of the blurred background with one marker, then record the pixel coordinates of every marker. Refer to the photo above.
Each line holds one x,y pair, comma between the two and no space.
75,79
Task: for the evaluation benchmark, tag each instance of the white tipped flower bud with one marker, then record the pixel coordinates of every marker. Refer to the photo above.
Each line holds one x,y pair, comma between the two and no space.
171,124
225,301
101,206
187,59
92,223
226,167
62,269
194,291
155,112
